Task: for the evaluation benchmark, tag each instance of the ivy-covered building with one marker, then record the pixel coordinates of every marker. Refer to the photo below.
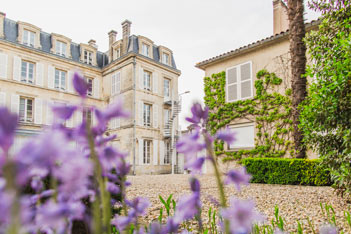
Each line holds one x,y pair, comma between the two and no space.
247,89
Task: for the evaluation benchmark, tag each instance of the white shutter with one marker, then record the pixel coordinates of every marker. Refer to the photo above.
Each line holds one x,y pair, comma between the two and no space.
70,81
155,115
79,117
16,68
246,81
49,114
155,82
141,154
40,74
141,112
162,152
113,84
232,84
118,83
70,122
155,157
38,111
3,66
51,76
15,102
118,123
96,86
141,78
2,99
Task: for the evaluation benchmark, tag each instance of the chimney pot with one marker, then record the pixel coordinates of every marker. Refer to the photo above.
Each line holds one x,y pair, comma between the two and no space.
92,42
280,17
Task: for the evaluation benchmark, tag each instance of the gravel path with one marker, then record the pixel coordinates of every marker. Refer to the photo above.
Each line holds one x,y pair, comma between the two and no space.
295,202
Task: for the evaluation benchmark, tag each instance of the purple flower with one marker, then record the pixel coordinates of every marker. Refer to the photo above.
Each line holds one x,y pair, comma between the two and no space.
80,85
63,112
110,156
238,177
194,185
115,110
241,215
113,188
194,164
8,124
226,135
121,222
138,206
198,114
187,207
328,229
189,143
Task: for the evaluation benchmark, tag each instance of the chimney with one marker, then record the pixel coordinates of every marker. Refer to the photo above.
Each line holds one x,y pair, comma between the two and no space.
2,18
125,35
280,17
111,39
92,43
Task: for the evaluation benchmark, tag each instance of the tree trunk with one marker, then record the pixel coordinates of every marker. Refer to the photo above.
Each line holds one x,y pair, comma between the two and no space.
298,67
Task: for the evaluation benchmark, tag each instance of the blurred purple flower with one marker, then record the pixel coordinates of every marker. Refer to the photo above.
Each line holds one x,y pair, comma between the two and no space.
194,185
238,177
198,114
110,156
63,112
328,229
121,222
8,124
194,163
189,144
241,215
113,188
80,85
138,206
226,135
187,207
37,183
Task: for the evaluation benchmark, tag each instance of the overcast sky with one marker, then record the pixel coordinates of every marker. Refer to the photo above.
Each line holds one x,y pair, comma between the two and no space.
194,30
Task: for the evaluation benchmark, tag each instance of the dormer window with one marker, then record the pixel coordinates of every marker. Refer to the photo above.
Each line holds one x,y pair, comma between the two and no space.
28,38
165,58
61,48
145,49
88,57
118,53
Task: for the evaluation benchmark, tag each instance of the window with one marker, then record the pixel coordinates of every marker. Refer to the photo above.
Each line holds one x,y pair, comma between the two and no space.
167,158
60,79
87,115
27,71
147,152
246,139
88,57
61,48
26,110
147,80
165,58
166,88
118,52
145,49
147,115
239,82
90,86
28,38
167,116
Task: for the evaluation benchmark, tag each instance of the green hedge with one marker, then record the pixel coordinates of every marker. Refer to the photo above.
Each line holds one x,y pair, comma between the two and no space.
286,171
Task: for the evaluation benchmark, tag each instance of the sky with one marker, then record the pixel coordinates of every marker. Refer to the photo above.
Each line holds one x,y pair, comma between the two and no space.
194,30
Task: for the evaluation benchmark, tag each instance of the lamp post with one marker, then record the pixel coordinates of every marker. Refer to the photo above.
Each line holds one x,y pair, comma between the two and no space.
174,152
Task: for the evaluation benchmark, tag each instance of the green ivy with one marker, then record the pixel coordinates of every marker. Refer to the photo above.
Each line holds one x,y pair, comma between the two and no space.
270,110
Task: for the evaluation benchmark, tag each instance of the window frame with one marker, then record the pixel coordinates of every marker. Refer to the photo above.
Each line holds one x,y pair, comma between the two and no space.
87,114
90,82
239,82
147,46
88,57
147,151
60,49
28,33
24,117
169,87
60,82
168,58
145,82
245,125
147,113
26,78
168,156
165,119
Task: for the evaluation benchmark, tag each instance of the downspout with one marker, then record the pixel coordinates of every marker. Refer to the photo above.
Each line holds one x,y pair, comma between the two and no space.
134,112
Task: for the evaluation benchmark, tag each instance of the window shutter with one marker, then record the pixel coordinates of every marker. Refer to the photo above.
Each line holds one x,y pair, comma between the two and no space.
16,68
155,82
246,81
15,102
118,123
40,74
118,82
79,117
113,84
51,76
232,84
38,111
155,115
70,122
141,112
3,66
155,156
141,78
70,81
162,152
96,87
49,114
141,155
2,99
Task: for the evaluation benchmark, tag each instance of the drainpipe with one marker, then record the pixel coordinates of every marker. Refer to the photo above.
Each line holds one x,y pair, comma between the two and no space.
172,133
134,113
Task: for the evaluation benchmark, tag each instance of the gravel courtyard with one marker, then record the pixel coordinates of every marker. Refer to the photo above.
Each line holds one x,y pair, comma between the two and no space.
295,202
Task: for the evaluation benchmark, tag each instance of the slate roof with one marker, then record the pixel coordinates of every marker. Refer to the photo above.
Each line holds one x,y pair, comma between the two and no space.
11,34
258,43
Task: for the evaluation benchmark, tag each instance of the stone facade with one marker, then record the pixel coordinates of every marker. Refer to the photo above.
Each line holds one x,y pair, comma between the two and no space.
36,71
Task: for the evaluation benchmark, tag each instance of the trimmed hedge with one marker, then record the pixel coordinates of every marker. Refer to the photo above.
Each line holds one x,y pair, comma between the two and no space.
287,171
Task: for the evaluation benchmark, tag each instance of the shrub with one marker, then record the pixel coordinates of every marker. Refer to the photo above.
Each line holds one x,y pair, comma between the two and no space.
287,171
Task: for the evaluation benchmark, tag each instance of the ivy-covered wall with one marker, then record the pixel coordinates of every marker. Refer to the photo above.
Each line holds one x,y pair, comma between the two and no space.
269,110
